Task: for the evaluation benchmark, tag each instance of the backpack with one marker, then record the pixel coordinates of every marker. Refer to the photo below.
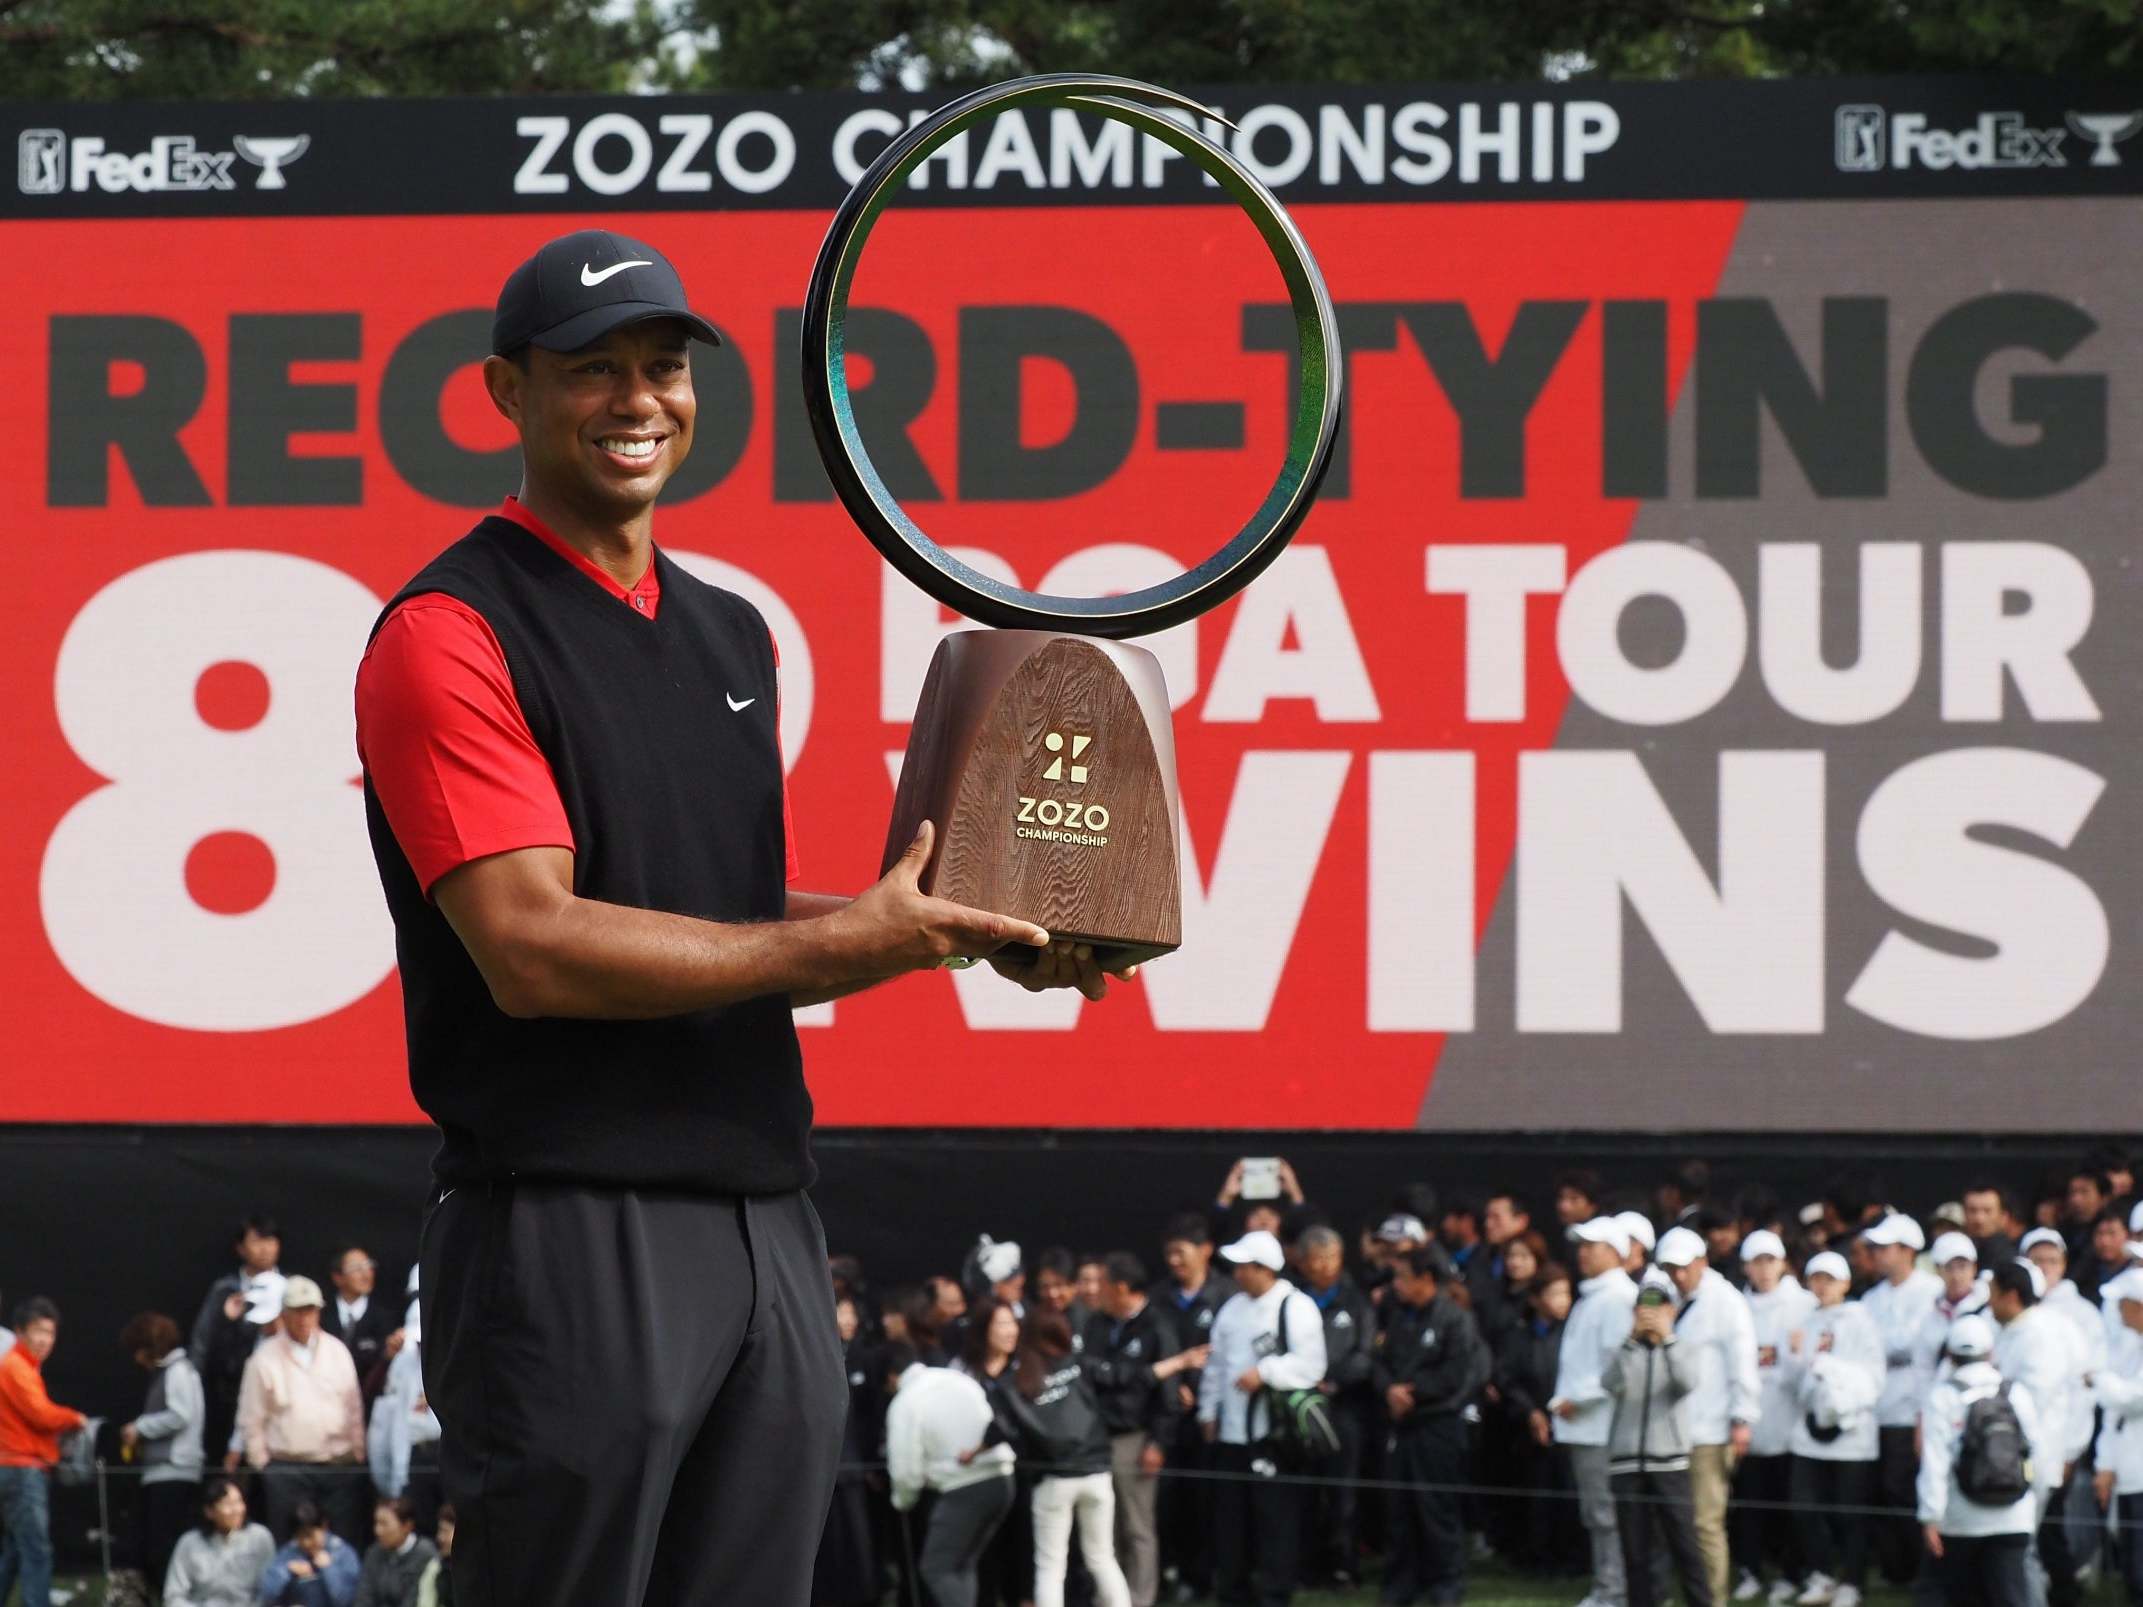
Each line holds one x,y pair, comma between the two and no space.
1993,1461
1298,1422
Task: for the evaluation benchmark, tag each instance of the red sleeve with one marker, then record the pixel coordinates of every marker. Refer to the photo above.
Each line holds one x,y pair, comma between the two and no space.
443,740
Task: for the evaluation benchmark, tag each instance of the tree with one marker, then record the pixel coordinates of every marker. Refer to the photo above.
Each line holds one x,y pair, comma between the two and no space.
274,49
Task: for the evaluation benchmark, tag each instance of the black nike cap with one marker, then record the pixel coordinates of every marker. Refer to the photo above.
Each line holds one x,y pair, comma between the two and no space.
581,286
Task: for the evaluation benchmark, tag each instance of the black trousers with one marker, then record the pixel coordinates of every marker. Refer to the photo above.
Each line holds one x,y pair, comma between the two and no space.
1897,1533
342,1492
641,1394
2056,1555
2129,1509
1257,1529
1836,1541
1425,1527
961,1525
1655,1515
169,1508
1333,1536
1760,1526
1184,1506
1988,1572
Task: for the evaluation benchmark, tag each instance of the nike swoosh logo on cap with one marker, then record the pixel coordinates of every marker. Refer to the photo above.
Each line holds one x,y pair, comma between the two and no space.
589,275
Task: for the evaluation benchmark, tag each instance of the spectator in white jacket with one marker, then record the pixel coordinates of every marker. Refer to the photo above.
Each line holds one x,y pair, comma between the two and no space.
1269,1336
1765,1538
2035,1348
934,1431
1581,1412
2118,1389
1979,1543
1835,1359
1715,1321
1899,1302
1956,1260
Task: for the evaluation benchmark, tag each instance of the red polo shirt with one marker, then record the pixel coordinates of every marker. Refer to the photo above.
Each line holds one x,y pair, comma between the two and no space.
442,738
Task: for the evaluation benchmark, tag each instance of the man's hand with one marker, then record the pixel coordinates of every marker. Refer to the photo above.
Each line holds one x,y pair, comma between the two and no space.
300,1568
1231,1186
1290,1185
1738,1439
2102,1487
903,929
1151,1460
1933,1537
395,1341
1250,1383
1543,1430
234,1307
1399,1400
1061,965
1563,1409
130,1436
230,1461
1210,1430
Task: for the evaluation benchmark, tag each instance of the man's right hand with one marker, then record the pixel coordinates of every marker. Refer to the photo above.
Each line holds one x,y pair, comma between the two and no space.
230,1461
1543,1430
1399,1400
2102,1487
234,1307
899,926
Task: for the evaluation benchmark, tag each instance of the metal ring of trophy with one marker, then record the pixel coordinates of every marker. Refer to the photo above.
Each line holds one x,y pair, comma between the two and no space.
1311,435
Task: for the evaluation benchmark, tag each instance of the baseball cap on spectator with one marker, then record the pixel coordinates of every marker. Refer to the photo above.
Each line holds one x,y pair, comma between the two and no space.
1637,1229
1604,1230
1953,1247
1948,1214
1970,1338
300,1292
1256,1249
1897,1228
1655,1279
1811,1213
2128,1286
1763,1242
2039,1236
1400,1229
264,1299
997,1259
1679,1246
1829,1264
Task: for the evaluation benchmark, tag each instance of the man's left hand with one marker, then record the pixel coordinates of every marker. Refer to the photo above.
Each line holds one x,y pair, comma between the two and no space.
1250,1383
1738,1439
1063,964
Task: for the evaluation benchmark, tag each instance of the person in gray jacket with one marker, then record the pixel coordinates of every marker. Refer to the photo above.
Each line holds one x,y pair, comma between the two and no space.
219,1562
165,1441
395,1566
1648,1449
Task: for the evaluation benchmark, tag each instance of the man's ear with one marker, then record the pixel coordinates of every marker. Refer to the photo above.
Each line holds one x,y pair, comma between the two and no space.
503,380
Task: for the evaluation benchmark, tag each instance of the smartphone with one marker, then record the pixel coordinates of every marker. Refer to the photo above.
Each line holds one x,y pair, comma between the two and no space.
1261,1177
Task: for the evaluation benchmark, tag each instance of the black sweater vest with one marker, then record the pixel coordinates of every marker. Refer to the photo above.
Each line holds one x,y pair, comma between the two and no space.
675,804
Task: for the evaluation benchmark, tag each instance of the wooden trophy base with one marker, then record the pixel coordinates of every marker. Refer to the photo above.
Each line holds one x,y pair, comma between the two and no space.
1048,763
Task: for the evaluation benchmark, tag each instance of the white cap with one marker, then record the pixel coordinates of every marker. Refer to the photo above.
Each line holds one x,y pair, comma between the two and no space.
2039,1236
1604,1230
1897,1228
1954,1247
2038,1278
1402,1229
1971,1337
264,1299
1811,1213
1637,1228
1680,1246
1655,1279
1763,1242
1259,1248
2128,1286
1829,1264
997,1259
2135,1221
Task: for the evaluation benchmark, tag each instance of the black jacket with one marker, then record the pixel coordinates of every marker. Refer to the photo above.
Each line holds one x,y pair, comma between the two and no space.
1526,1358
367,1337
1350,1337
1119,1360
1436,1349
1058,1434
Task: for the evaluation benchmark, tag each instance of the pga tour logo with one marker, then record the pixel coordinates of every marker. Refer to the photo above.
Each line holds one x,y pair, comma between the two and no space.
1869,139
47,162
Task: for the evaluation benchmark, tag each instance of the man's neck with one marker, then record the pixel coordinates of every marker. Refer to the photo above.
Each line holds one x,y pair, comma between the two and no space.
621,550
1132,1310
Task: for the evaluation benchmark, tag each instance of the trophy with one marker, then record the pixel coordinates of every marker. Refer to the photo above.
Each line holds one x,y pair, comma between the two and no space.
1042,749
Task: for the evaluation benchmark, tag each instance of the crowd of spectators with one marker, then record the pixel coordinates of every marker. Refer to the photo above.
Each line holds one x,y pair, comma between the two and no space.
1732,1400
1642,1395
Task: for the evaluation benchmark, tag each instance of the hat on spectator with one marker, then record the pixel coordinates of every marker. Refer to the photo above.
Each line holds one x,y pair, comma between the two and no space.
2135,1220
1400,1229
1637,1229
1655,1279
1971,1338
1256,1249
264,1299
301,1292
997,1259
2039,1236
1948,1211
1897,1228
1953,1247
1680,1246
1829,1264
1763,1242
2128,1286
1811,1213
1604,1230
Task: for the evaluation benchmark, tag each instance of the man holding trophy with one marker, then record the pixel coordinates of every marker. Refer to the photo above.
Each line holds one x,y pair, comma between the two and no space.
575,793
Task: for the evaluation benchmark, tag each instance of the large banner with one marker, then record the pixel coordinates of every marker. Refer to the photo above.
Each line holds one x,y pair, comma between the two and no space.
1705,696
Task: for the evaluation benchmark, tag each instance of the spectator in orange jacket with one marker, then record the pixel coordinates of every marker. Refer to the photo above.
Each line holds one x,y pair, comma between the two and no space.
30,1429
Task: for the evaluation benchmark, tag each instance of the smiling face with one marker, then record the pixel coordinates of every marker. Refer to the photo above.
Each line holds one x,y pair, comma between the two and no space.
603,428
